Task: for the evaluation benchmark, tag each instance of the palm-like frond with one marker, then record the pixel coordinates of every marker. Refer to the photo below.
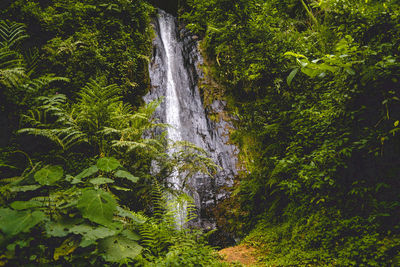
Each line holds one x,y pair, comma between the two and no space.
36,85
147,145
191,159
96,104
99,118
11,33
55,121
31,57
12,70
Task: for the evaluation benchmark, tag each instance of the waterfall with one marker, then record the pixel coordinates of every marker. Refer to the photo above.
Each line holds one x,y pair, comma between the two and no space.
175,73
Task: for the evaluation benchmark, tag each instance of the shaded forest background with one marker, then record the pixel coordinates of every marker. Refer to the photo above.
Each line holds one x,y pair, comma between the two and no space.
313,90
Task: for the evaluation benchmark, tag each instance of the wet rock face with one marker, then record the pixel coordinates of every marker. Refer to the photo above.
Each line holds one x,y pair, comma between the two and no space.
175,74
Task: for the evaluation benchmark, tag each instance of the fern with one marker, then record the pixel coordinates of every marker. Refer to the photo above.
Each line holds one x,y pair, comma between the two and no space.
36,85
158,200
190,159
156,237
64,131
11,33
181,207
31,58
12,71
99,118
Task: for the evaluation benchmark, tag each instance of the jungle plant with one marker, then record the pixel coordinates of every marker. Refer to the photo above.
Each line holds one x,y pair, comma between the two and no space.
17,67
98,118
48,216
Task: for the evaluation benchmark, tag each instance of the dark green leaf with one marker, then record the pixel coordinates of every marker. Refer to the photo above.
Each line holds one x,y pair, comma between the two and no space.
13,222
97,206
291,76
49,175
118,249
23,205
126,175
24,188
101,180
85,173
108,164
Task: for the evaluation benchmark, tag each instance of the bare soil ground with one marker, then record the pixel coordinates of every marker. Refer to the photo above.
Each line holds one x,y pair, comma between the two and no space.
242,254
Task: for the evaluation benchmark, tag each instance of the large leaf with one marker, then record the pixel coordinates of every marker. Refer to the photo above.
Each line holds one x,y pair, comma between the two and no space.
61,228
56,229
49,175
97,206
108,164
90,235
291,76
24,188
23,205
126,175
119,248
136,218
101,180
130,235
85,173
13,222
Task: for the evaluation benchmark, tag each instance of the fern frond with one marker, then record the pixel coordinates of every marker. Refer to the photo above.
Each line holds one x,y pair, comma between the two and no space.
158,200
181,207
12,71
156,237
149,108
11,179
10,59
11,33
12,77
36,85
50,134
150,145
31,58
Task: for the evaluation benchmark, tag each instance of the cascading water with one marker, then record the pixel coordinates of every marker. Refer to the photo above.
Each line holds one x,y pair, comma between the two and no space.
174,75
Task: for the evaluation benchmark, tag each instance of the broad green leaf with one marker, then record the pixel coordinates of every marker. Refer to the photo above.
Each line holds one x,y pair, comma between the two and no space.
137,218
118,249
101,180
97,206
57,229
108,164
291,76
396,123
126,175
24,188
85,173
90,235
23,205
81,229
49,175
310,72
13,222
130,235
327,67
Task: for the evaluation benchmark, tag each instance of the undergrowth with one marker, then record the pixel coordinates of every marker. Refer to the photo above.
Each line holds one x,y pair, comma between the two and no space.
325,239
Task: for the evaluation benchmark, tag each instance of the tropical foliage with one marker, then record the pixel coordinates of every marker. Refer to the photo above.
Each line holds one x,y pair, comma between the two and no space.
85,190
311,85
314,86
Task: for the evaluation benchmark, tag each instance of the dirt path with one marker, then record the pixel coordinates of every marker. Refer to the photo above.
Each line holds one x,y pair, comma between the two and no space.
242,254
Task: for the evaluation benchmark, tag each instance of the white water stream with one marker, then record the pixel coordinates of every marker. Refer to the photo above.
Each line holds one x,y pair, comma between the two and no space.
174,75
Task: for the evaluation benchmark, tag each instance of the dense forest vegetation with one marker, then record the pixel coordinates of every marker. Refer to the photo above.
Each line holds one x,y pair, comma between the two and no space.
315,89
312,86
